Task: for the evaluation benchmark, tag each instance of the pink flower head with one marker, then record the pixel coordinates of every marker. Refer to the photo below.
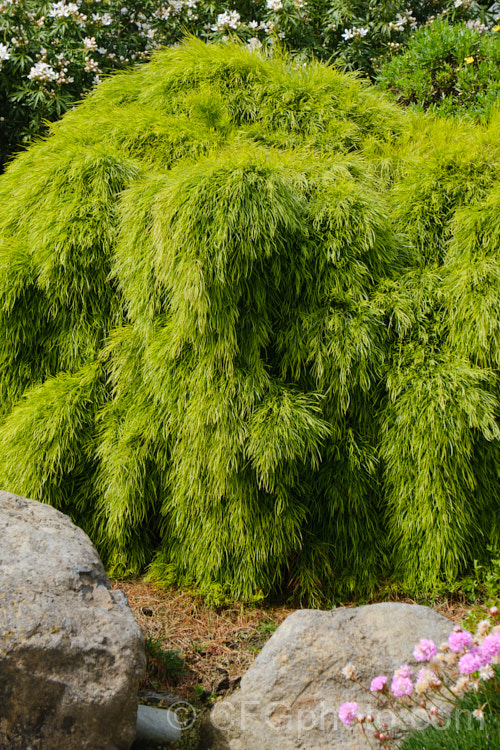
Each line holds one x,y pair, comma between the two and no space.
404,671
378,684
425,650
472,661
348,713
491,645
458,640
401,685
426,679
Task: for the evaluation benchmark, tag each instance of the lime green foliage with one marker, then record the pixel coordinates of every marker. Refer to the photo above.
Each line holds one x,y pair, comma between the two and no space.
463,731
447,68
233,342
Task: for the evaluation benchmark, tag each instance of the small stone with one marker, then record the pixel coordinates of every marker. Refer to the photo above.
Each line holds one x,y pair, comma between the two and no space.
156,726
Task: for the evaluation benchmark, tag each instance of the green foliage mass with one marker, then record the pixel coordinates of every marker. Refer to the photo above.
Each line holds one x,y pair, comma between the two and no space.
447,68
249,328
51,53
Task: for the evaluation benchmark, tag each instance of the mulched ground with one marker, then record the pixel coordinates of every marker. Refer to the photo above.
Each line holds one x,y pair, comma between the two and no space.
217,645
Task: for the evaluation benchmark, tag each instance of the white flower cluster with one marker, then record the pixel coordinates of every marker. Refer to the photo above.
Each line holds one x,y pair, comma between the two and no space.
43,72
91,66
354,32
163,12
274,5
228,19
89,43
401,21
67,10
175,7
476,25
254,43
4,53
104,20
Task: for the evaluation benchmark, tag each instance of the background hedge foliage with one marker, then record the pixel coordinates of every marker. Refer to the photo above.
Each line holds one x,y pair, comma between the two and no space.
53,52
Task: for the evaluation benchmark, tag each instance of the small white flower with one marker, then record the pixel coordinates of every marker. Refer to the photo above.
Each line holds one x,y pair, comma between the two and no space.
163,13
458,3
63,10
229,19
90,43
4,53
41,71
348,34
275,5
253,25
91,66
349,671
483,627
478,714
486,672
254,43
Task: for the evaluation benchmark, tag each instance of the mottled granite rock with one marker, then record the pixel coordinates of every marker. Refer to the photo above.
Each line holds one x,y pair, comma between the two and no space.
71,653
290,696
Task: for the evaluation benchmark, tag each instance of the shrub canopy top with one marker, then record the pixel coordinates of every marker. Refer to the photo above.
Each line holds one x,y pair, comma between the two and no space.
249,328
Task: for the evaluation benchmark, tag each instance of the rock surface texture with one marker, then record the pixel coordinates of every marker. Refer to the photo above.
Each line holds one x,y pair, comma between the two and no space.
290,696
71,653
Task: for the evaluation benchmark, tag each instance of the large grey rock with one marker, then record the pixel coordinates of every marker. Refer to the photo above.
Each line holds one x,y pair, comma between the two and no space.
290,696
71,653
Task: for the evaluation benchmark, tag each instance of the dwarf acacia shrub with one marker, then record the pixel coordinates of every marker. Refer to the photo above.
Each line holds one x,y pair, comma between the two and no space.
226,348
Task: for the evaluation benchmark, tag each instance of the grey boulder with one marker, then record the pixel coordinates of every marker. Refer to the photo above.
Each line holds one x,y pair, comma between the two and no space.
71,653
290,696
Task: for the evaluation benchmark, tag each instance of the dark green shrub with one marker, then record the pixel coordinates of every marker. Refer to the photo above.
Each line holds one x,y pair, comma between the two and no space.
224,343
447,68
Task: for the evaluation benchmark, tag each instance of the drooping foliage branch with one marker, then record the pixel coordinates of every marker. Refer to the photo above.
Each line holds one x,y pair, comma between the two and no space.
249,328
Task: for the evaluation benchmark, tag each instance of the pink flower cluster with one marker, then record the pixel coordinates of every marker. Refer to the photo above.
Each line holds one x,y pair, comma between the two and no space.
458,640
379,684
348,713
401,681
470,655
480,656
425,650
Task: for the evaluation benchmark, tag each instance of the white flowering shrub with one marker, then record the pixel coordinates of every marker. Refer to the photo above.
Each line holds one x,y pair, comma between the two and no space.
360,32
53,52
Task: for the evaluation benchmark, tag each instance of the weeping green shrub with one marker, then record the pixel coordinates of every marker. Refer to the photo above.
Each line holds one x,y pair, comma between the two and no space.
227,348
